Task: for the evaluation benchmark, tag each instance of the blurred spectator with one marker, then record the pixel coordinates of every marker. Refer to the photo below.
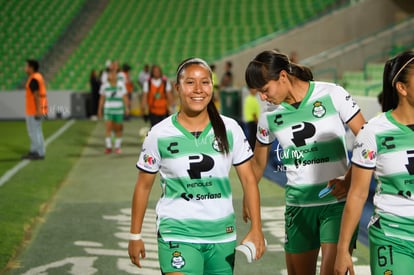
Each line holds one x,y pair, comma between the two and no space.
104,74
36,110
227,78
129,85
215,86
157,96
143,76
293,57
251,112
95,84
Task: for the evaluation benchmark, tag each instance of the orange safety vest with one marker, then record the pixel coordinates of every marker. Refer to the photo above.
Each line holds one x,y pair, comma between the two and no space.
157,98
30,98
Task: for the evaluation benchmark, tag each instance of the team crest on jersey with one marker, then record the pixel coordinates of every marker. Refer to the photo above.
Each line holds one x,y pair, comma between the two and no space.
177,261
217,145
318,109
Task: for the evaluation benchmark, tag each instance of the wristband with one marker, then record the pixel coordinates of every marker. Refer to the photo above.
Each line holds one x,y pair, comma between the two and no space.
135,237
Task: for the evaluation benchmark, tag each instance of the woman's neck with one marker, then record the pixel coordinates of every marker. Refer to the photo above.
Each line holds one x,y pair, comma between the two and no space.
404,114
298,91
195,122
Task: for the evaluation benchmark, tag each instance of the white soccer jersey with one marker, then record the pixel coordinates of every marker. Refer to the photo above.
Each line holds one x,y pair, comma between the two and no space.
313,140
114,97
388,147
196,203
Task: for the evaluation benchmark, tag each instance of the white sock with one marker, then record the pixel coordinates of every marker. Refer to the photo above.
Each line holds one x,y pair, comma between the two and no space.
108,142
118,142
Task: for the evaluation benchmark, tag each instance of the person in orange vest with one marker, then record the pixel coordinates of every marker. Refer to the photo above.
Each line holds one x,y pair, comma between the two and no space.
36,110
157,96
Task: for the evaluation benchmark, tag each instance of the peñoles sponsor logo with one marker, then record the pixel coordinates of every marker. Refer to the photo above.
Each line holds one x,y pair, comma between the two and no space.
199,184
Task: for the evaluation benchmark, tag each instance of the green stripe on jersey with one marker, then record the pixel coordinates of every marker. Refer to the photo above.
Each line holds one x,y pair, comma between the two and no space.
397,184
307,195
290,115
194,230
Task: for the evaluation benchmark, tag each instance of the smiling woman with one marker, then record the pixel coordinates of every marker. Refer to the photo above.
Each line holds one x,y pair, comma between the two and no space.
195,179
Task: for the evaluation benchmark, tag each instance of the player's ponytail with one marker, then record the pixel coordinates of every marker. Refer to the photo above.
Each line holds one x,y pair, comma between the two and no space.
395,70
267,66
215,118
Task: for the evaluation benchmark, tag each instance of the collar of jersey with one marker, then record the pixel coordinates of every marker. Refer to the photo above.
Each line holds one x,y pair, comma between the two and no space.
186,132
403,127
305,99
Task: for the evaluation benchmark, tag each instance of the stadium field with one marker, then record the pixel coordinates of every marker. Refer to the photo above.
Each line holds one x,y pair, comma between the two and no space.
85,226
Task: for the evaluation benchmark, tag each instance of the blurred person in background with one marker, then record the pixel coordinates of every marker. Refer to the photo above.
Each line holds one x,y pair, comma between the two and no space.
36,110
157,96
251,113
227,77
143,75
129,85
113,105
95,84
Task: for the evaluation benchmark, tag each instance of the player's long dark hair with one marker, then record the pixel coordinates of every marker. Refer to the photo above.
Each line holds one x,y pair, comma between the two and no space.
215,118
267,66
395,70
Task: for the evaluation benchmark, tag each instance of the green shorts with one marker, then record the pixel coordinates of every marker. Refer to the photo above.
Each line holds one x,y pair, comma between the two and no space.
389,255
117,118
306,228
196,259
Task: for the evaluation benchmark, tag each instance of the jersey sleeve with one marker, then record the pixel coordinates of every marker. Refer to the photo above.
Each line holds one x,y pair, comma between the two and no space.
149,158
241,147
102,89
168,87
263,134
364,153
345,104
122,91
145,86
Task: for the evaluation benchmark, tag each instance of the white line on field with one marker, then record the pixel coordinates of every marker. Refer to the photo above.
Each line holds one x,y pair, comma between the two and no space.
10,173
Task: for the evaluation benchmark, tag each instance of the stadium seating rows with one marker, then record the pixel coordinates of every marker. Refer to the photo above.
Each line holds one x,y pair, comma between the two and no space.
167,31
29,28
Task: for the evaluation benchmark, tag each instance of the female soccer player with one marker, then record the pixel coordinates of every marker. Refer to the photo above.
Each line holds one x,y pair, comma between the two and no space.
308,120
114,103
193,150
385,147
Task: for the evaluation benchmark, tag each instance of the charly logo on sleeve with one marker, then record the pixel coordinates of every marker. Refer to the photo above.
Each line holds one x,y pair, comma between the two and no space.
318,109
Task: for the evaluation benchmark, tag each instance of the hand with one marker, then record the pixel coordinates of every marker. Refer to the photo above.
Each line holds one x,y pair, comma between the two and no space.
257,238
126,112
343,264
136,249
340,188
246,214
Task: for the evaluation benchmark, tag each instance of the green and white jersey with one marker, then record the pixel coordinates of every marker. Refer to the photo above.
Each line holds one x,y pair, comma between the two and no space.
312,141
114,102
196,202
387,146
